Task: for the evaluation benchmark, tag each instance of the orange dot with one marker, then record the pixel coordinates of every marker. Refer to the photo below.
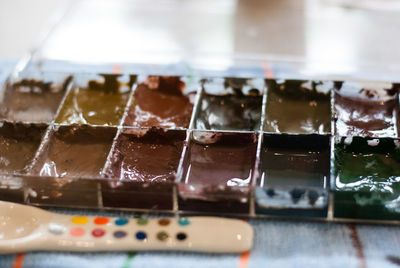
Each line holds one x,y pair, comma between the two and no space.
80,220
77,232
101,220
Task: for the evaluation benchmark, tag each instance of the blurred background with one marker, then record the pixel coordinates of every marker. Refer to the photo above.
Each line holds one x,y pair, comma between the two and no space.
344,37
22,22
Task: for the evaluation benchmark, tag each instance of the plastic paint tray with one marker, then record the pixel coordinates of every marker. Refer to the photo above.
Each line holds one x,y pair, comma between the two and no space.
246,147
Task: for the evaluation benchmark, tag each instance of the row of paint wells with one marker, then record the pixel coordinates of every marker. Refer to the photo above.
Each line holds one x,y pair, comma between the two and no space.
230,104
213,171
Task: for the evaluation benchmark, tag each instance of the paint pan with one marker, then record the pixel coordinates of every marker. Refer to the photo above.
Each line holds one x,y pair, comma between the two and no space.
366,177
162,102
218,172
294,174
33,97
18,145
142,168
365,109
74,152
96,100
298,106
230,104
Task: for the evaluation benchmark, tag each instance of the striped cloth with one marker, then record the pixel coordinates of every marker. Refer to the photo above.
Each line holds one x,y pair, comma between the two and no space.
277,244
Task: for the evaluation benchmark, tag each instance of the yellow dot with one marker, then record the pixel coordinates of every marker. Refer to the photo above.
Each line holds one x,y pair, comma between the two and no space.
80,220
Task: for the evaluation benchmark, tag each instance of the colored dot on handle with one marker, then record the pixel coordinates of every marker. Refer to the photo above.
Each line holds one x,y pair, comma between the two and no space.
98,232
142,221
121,221
141,235
164,222
101,220
119,234
181,236
80,220
77,232
162,236
183,221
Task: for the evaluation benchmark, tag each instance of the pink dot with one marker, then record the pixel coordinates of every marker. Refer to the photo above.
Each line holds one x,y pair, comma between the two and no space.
77,232
98,232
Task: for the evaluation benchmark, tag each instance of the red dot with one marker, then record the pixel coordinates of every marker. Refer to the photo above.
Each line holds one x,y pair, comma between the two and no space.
98,232
77,232
101,220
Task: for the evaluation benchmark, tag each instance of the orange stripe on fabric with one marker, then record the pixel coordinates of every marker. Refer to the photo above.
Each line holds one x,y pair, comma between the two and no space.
19,260
116,69
244,260
267,70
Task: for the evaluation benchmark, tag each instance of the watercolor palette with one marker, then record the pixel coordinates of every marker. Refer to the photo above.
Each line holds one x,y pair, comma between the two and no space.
239,146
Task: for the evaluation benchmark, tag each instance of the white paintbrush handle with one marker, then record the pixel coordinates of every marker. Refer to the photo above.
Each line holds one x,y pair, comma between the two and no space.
201,234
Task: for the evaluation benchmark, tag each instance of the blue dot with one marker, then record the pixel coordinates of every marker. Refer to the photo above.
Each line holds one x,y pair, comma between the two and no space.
141,235
119,234
184,221
121,221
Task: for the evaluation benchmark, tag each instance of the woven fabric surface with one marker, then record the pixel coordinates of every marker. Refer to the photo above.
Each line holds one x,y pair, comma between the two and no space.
276,244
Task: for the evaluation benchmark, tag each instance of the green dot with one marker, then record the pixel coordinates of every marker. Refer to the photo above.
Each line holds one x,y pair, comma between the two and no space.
184,221
142,221
162,236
